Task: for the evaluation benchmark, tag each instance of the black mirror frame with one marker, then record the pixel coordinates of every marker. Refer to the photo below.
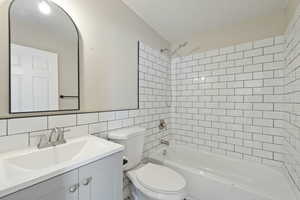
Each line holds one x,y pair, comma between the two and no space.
9,63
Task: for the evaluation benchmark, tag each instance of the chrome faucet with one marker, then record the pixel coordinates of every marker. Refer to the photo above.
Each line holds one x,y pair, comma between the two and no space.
43,142
54,131
60,138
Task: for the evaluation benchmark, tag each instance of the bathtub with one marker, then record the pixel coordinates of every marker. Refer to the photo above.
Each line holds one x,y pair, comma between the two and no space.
215,177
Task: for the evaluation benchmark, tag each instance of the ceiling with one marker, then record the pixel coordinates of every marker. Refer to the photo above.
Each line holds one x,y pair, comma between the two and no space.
178,20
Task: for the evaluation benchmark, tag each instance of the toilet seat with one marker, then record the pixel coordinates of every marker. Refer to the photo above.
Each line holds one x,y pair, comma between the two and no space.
159,187
160,179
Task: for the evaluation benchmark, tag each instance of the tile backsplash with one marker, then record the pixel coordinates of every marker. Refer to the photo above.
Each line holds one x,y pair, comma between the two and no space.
22,125
62,121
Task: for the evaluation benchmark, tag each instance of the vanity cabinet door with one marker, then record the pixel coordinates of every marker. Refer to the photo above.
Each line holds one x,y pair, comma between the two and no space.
102,180
64,187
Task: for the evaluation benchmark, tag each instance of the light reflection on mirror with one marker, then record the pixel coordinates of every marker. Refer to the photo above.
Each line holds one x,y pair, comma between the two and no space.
44,8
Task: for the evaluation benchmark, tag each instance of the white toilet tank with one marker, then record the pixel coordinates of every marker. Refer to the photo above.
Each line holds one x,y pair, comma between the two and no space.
133,141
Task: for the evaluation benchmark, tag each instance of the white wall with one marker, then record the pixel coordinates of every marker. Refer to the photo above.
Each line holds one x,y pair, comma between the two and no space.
109,34
292,6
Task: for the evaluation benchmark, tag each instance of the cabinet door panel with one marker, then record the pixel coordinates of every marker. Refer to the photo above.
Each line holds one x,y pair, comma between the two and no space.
56,188
106,182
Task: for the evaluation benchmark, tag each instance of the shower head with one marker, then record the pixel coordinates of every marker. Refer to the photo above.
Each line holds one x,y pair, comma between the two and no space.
165,50
171,53
183,45
178,48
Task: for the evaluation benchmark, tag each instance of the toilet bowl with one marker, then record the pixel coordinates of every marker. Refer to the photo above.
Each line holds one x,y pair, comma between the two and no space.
156,182
150,181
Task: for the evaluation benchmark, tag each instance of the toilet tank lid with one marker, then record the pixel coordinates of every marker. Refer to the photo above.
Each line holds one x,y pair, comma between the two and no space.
125,133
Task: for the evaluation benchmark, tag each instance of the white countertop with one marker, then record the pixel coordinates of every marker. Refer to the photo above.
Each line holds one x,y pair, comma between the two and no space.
14,178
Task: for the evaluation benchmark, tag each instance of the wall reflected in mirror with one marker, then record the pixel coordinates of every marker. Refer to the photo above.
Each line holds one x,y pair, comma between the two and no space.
44,58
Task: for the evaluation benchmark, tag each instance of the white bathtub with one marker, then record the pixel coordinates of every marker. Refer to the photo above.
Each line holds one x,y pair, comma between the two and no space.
214,177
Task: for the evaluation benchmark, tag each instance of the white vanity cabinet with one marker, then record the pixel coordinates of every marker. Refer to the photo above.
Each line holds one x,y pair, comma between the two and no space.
100,180
53,189
106,185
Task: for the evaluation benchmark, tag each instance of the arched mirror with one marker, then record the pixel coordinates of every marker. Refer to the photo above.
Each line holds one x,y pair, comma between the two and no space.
44,58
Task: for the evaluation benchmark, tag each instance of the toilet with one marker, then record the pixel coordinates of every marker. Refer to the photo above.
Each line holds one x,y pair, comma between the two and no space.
149,181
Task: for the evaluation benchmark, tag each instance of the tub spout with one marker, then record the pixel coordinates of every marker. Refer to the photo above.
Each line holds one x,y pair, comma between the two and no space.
165,142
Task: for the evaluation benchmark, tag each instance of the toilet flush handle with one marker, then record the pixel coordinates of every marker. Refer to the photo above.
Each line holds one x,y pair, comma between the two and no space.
125,161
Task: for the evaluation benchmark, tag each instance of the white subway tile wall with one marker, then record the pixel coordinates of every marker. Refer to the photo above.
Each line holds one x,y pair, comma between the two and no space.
224,100
23,125
290,105
87,118
61,121
154,96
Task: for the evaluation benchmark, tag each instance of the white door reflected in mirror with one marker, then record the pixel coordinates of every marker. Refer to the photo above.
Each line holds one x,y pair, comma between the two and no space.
34,79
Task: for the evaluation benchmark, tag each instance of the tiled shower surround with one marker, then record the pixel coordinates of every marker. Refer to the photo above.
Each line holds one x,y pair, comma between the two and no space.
241,101
224,100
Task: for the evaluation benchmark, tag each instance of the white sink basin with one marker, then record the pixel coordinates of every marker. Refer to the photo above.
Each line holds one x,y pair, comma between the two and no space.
48,157
21,169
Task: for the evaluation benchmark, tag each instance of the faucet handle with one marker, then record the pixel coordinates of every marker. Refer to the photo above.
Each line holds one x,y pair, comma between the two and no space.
43,141
61,138
52,133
